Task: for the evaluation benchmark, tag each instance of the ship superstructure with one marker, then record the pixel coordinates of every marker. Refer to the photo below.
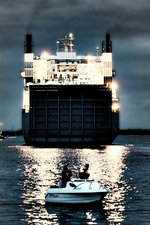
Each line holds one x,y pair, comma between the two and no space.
69,98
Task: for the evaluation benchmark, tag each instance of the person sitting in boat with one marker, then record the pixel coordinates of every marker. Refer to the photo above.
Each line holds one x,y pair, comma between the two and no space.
66,175
86,166
85,174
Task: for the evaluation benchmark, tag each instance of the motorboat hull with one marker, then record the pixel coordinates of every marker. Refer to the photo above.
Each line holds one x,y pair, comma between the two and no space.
76,192
74,198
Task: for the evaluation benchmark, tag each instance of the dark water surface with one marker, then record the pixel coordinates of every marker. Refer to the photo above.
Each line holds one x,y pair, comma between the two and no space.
26,172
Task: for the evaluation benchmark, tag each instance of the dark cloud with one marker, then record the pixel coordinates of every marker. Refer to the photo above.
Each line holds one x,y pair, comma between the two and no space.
128,23
38,8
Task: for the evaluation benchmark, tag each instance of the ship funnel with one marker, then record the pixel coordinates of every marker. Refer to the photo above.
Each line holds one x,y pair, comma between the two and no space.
28,44
107,44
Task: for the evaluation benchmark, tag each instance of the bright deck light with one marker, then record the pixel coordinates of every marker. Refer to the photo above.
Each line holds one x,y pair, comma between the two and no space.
114,86
45,55
71,35
89,57
115,107
22,73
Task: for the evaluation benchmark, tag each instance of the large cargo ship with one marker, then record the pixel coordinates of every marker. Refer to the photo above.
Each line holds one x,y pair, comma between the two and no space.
69,98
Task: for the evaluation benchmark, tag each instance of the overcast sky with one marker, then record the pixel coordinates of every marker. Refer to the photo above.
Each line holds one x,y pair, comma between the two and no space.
128,23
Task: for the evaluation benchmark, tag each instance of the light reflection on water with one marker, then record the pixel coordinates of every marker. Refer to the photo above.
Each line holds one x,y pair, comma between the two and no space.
41,167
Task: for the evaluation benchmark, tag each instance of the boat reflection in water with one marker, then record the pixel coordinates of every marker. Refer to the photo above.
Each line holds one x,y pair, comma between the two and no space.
41,168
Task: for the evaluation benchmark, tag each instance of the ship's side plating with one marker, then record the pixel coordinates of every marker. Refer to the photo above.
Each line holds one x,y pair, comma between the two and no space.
68,106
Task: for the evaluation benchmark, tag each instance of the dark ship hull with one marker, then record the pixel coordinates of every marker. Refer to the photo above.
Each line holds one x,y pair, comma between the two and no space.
76,115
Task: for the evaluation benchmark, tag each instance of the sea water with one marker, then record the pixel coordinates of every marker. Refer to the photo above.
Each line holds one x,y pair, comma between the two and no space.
26,172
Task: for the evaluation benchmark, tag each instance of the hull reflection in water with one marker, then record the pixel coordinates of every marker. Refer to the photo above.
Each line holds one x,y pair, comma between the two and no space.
115,201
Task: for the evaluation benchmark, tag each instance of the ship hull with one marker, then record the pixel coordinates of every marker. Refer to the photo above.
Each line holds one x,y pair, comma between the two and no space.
78,115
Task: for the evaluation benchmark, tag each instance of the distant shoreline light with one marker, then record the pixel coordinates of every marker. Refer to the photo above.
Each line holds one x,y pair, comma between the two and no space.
1,124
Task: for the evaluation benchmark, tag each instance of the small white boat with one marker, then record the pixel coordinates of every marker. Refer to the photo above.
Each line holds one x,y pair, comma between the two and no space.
77,191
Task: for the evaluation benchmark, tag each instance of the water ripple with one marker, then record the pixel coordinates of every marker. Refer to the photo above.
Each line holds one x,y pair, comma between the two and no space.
26,173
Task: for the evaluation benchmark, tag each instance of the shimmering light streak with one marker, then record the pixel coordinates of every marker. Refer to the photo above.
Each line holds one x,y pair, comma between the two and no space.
41,167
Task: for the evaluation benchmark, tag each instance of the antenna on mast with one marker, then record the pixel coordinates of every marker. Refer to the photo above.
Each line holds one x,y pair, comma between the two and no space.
66,44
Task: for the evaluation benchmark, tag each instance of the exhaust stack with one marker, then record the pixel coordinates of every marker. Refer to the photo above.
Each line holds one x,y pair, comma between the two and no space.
28,44
107,44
